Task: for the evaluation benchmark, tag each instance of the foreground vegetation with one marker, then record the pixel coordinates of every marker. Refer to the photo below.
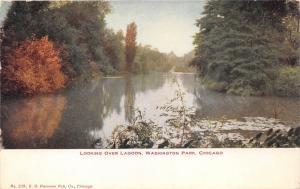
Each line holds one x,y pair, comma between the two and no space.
184,129
146,134
250,47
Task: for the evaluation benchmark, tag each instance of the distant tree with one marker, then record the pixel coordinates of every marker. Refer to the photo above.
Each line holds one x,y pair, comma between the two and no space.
130,44
150,59
34,67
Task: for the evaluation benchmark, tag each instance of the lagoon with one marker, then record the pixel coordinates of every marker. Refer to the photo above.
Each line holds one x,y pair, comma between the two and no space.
79,116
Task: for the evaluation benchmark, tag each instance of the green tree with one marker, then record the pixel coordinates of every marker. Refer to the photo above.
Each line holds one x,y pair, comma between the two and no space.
150,59
77,27
238,45
86,26
114,48
291,51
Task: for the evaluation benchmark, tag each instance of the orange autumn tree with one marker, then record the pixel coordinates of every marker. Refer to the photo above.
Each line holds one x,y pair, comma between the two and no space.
33,67
130,44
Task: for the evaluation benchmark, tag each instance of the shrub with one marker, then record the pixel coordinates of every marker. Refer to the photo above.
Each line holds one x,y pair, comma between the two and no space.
33,67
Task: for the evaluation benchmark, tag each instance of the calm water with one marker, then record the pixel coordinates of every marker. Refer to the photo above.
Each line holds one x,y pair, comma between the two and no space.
82,114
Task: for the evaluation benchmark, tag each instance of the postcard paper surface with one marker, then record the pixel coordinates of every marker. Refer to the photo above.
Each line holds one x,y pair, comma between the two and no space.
150,94
249,168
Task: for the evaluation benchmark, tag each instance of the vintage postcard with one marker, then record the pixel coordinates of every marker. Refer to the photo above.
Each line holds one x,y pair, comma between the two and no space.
150,94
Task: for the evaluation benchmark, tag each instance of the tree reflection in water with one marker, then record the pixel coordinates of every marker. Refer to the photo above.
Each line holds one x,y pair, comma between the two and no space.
79,116
217,105
33,122
129,100
87,105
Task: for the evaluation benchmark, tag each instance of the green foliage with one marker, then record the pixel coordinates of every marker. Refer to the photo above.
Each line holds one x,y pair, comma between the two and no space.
288,82
149,59
87,46
181,64
114,48
213,85
77,27
238,47
291,50
23,20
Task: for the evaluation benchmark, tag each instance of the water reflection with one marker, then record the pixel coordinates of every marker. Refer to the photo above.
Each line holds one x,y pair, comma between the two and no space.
129,101
33,122
82,114
87,106
216,105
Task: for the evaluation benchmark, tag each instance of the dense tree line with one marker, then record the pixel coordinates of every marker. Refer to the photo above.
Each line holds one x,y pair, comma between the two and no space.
150,59
247,47
86,46
181,64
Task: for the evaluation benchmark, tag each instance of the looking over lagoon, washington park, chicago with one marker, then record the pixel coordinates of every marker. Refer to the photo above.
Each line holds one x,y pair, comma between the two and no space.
150,74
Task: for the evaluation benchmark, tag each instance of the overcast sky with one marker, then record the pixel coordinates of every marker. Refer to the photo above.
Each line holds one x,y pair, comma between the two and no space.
166,25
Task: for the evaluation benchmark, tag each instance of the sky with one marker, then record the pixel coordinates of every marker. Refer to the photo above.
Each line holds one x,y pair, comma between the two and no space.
165,25
168,25
3,10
